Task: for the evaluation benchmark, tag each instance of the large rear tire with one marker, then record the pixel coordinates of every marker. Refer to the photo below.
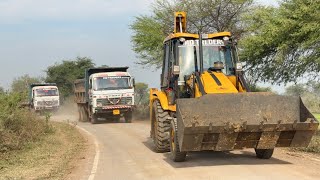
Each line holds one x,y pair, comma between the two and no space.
264,153
176,154
161,127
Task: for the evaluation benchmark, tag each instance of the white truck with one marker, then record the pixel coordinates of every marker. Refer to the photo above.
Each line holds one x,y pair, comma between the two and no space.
105,93
44,97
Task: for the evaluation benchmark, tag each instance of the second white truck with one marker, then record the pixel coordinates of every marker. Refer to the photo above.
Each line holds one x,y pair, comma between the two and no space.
44,97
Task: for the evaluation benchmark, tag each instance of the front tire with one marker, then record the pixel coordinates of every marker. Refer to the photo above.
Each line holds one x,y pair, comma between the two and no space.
128,117
264,153
80,113
85,116
93,119
176,154
161,127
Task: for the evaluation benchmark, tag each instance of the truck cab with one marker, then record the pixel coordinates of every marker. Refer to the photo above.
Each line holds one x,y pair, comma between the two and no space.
111,93
106,93
44,97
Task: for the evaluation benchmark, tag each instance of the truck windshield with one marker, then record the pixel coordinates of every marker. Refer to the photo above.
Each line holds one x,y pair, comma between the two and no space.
46,92
211,54
111,82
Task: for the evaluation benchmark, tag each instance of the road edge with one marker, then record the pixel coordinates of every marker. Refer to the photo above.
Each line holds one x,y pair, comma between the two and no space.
97,153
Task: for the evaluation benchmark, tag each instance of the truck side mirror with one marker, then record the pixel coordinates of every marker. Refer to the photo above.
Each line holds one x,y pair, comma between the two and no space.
133,82
90,84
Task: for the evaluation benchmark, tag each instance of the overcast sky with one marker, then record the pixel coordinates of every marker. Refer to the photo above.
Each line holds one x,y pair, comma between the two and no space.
37,33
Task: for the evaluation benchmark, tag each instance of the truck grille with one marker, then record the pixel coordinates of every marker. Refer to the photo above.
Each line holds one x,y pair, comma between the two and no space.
115,101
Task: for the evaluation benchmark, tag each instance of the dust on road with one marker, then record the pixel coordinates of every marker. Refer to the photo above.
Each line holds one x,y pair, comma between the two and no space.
126,152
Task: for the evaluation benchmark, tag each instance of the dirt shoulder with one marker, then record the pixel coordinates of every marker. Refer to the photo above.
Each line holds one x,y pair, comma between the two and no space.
50,158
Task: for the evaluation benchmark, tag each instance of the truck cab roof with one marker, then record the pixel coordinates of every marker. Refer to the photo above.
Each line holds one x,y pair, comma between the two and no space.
45,87
107,74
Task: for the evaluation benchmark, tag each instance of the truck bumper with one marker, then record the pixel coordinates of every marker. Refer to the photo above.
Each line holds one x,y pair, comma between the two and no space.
110,109
39,108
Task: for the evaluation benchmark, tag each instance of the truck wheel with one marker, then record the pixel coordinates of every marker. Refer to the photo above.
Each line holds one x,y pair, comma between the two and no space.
176,154
93,119
264,153
80,113
128,117
161,127
85,115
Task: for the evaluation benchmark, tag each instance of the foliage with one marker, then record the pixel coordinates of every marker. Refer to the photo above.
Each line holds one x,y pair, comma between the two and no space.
202,15
256,88
296,90
309,93
2,91
22,83
64,74
18,126
141,100
282,42
141,93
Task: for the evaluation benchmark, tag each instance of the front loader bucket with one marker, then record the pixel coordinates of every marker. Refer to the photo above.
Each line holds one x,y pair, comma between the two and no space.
222,122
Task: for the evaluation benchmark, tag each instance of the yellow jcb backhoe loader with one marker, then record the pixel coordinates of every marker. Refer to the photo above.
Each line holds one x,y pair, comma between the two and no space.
205,104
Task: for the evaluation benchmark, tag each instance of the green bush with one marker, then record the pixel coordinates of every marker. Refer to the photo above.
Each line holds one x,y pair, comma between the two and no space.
19,126
141,112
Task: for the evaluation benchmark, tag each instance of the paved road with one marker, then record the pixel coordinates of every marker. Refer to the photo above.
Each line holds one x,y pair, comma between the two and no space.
125,152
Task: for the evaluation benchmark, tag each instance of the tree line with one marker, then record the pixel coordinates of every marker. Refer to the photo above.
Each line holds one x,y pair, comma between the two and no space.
279,44
64,73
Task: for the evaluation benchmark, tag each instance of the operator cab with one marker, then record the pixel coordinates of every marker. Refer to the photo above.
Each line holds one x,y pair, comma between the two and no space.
218,52
214,50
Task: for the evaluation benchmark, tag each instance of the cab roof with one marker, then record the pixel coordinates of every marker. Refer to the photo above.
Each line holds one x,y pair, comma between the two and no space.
195,36
106,74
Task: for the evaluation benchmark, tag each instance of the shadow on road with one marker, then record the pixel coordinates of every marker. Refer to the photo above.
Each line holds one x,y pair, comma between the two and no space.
210,158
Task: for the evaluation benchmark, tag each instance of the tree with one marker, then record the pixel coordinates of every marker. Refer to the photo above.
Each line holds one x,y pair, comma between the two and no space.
309,93
141,100
22,83
64,74
296,90
203,15
283,42
141,93
256,88
2,91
